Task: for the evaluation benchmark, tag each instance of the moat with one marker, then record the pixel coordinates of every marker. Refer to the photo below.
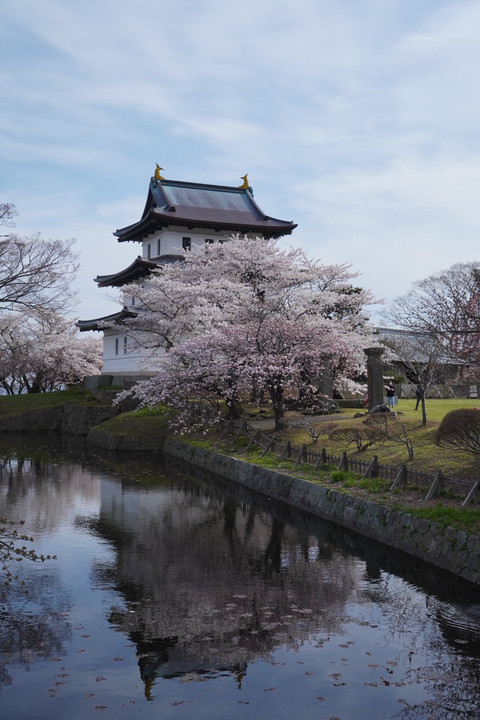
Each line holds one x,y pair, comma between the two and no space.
175,595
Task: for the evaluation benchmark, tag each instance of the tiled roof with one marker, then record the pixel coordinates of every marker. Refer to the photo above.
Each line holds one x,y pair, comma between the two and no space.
139,268
98,323
198,205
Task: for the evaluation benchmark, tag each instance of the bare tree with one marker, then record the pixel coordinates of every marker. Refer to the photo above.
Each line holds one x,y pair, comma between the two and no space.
441,315
313,431
447,307
35,273
388,428
7,212
423,359
362,437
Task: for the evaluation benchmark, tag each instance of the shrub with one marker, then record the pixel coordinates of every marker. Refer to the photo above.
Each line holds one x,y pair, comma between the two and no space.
341,476
387,428
348,435
460,430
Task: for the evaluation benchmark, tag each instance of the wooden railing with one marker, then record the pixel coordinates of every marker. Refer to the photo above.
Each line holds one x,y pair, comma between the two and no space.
400,477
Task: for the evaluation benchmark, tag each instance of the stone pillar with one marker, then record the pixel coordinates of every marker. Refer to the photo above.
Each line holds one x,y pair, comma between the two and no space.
325,387
374,376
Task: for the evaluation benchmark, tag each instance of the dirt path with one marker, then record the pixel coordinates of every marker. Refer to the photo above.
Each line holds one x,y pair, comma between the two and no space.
269,423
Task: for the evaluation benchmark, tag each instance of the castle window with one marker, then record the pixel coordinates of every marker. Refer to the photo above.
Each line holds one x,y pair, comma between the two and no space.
186,243
208,241
158,247
149,251
116,346
125,343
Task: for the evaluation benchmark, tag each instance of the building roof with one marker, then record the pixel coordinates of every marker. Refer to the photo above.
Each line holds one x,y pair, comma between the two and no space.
419,346
138,269
197,205
103,322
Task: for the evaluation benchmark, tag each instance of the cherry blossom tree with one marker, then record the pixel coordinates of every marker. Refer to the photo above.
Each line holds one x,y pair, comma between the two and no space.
42,353
246,313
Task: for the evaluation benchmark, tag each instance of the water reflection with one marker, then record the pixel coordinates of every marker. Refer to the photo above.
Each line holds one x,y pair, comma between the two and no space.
33,626
209,583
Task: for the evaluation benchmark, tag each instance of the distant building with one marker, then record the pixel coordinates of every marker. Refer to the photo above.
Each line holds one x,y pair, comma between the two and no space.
414,355
178,216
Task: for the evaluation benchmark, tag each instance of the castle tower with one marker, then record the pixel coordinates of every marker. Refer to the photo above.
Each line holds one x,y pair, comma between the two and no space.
178,216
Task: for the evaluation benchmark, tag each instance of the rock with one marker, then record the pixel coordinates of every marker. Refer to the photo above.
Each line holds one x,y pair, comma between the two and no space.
379,409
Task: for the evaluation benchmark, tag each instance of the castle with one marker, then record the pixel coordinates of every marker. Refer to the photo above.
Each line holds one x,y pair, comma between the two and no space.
178,217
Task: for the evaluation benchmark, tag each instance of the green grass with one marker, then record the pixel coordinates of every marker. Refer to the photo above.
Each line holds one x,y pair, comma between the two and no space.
467,519
143,422
428,457
16,404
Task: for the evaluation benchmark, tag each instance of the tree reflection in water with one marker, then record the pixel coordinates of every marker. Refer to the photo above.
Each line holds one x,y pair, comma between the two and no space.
33,627
211,585
206,584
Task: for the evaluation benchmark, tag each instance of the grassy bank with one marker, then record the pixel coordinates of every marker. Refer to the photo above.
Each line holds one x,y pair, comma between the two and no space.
18,404
427,456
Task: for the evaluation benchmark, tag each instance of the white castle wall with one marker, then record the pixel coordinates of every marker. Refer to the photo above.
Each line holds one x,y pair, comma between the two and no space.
121,355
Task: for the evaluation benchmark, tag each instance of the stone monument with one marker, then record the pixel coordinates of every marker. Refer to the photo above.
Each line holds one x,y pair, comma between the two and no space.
374,376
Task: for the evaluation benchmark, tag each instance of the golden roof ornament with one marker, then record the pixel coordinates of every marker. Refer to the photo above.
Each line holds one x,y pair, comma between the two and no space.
158,175
246,184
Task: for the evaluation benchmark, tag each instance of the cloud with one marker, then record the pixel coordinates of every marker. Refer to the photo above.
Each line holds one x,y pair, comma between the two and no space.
358,120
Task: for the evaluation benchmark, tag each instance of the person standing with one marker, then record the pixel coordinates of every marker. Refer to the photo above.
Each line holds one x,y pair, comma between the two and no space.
419,394
390,395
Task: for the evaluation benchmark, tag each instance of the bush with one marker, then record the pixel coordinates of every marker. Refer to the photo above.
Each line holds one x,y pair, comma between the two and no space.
341,476
460,430
386,427
352,434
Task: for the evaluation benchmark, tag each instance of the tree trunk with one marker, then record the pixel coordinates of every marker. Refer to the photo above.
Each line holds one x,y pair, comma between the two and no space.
424,411
234,410
276,394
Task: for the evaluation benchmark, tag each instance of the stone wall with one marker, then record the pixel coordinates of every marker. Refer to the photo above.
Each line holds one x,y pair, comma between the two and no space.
449,549
66,418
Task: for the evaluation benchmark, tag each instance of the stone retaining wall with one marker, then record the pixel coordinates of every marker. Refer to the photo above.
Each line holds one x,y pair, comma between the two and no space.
446,548
67,418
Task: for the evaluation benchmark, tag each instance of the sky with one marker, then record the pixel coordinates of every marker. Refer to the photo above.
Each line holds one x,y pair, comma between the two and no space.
357,119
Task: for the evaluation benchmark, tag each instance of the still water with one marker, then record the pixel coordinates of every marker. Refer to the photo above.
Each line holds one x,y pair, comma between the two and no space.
175,596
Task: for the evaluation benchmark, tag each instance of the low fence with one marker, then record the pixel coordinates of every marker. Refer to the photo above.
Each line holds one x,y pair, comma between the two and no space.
400,477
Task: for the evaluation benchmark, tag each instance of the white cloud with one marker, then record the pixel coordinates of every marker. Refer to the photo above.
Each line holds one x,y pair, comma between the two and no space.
358,120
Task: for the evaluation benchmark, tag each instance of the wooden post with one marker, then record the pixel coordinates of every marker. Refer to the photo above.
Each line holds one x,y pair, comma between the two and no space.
372,470
400,479
436,484
267,448
471,495
287,452
254,438
226,427
301,455
343,464
241,428
322,460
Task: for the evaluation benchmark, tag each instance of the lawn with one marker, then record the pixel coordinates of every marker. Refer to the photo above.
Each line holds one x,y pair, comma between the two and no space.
428,457
17,404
